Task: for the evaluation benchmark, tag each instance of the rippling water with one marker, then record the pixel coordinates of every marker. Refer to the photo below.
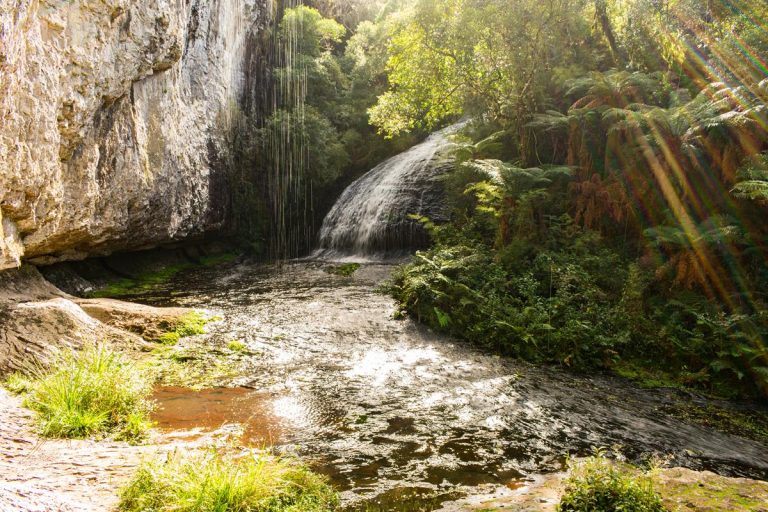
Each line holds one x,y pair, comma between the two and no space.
385,407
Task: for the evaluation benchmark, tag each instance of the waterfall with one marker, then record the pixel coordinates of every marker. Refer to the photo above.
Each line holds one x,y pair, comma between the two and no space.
371,218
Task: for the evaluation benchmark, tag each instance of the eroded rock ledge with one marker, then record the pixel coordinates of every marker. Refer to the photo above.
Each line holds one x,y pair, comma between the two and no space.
114,118
36,318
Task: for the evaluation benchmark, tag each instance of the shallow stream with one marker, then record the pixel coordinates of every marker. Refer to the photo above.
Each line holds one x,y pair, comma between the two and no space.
390,411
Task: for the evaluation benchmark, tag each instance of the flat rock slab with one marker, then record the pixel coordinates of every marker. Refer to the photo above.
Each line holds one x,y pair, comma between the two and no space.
146,321
687,490
682,490
31,331
57,475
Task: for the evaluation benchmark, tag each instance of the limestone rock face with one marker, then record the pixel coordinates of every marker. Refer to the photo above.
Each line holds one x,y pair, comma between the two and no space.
114,119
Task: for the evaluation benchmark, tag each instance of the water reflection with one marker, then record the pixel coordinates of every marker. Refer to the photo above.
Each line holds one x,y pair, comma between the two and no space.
385,407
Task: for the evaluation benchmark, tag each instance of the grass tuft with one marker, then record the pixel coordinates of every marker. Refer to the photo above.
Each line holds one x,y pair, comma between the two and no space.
212,482
18,383
96,391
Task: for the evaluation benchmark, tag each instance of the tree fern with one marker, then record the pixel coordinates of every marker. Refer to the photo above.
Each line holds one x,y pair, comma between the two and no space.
753,180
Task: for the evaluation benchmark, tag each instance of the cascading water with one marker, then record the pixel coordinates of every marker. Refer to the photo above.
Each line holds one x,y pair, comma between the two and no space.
283,143
372,220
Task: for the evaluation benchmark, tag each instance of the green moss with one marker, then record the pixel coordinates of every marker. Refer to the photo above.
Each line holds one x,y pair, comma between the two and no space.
212,482
140,284
647,378
193,324
236,346
169,338
683,491
345,269
151,279
217,259
747,423
190,324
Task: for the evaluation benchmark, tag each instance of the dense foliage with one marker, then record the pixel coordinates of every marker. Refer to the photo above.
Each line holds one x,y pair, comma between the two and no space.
310,137
608,196
609,191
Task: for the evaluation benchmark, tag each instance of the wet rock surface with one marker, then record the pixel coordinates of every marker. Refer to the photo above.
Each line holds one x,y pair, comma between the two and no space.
387,408
36,318
49,475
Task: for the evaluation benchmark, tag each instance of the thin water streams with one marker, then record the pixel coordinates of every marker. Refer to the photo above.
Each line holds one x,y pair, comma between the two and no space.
387,408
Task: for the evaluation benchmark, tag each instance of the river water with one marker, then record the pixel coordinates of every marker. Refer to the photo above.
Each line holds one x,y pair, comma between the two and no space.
389,410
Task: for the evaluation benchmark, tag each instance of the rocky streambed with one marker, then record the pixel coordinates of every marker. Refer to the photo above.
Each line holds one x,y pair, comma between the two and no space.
397,417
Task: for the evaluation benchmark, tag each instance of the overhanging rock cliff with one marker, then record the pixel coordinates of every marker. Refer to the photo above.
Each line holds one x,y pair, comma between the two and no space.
114,120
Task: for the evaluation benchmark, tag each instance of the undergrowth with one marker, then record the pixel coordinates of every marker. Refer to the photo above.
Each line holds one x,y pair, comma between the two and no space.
531,282
214,482
599,485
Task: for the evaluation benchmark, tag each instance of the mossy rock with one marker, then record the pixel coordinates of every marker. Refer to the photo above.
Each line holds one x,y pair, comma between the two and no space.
344,270
686,490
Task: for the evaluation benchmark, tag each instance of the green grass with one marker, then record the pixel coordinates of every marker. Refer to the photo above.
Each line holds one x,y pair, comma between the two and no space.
599,485
345,269
211,483
92,392
18,383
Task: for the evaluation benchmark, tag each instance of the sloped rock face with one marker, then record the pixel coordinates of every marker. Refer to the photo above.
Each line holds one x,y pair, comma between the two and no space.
36,319
114,120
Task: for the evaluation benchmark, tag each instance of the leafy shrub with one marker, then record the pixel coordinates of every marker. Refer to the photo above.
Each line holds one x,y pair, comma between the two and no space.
599,485
549,308
212,482
96,391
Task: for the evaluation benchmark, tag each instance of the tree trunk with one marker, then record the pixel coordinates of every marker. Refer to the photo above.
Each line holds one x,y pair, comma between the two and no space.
601,13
